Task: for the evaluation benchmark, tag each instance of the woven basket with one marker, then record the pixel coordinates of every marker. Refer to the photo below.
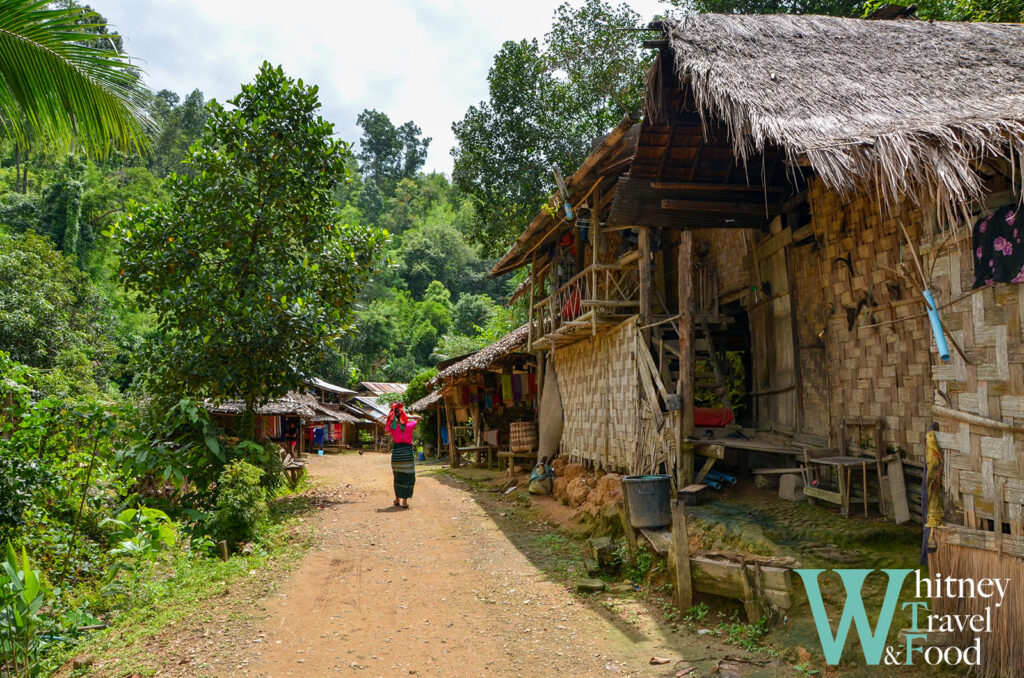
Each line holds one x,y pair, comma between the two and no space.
522,436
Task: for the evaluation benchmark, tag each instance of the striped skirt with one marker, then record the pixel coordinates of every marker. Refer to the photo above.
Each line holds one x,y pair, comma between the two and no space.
403,466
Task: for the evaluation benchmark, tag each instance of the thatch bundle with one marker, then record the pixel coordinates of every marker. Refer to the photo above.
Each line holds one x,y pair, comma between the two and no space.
898,106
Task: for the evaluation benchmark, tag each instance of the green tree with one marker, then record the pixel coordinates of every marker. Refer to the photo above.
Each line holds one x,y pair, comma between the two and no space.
388,154
56,80
470,312
60,211
247,267
50,315
546,105
181,123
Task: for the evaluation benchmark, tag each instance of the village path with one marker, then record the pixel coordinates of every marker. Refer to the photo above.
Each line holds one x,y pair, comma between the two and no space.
435,590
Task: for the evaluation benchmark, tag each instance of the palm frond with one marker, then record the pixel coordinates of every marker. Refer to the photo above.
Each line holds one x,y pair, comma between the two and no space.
71,93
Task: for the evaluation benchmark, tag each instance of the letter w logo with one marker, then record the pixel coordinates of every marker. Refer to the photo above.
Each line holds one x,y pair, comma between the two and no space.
872,642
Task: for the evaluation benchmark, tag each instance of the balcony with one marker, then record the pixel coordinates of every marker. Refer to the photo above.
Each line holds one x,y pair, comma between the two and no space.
601,294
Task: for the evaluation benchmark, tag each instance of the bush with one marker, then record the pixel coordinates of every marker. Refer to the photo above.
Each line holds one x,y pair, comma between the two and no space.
241,503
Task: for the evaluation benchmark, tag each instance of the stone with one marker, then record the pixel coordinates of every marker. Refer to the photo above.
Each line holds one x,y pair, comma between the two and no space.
765,481
601,550
791,487
621,588
589,586
82,661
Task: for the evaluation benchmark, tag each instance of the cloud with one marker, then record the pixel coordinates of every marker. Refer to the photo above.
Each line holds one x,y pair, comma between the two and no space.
420,60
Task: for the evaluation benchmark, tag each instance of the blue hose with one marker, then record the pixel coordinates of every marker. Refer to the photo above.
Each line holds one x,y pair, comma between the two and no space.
721,477
940,336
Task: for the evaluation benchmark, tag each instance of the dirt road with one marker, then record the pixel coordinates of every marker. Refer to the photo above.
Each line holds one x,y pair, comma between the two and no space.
434,590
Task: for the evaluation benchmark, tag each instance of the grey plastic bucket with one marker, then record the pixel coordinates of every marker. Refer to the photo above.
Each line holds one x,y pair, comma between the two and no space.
649,500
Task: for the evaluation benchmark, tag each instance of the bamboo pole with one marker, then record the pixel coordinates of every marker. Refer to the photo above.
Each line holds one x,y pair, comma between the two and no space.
684,387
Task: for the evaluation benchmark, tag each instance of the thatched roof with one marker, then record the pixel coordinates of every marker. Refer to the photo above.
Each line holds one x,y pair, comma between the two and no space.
292,405
908,105
485,357
425,403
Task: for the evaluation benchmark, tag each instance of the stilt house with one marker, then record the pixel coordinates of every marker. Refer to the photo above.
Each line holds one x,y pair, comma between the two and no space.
796,186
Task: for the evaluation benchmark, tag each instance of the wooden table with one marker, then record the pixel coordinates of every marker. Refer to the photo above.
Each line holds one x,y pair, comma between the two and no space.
844,467
511,457
478,451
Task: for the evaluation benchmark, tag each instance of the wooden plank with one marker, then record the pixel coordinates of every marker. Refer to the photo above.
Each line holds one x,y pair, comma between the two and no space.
711,450
681,557
770,246
648,385
825,495
708,463
646,359
637,204
693,186
697,206
724,578
645,278
898,491
660,539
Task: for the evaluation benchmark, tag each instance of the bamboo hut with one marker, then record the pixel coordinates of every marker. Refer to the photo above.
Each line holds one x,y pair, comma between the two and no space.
488,399
796,185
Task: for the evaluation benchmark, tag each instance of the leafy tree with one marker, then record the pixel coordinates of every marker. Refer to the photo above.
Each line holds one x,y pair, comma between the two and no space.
55,80
388,153
48,308
470,312
60,211
181,123
250,273
547,103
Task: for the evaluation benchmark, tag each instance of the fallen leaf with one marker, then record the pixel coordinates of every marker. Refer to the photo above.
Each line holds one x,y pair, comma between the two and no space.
660,660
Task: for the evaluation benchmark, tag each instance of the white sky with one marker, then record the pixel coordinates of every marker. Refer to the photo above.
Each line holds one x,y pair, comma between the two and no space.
421,60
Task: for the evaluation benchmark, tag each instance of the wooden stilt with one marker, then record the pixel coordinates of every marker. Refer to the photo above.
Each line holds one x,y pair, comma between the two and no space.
681,557
684,387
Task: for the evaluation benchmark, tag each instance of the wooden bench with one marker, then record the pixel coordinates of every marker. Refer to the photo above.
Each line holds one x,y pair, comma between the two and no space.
292,468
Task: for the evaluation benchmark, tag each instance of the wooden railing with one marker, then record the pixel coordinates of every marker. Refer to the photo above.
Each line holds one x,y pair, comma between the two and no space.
599,292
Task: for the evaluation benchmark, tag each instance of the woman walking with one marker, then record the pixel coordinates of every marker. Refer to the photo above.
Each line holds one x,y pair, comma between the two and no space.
403,456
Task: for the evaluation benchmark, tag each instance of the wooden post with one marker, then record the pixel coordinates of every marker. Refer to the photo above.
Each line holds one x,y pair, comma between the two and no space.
533,283
684,388
453,455
222,546
623,508
437,414
645,280
681,557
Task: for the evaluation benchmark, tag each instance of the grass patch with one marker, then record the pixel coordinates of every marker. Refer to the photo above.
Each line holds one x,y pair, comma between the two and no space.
179,586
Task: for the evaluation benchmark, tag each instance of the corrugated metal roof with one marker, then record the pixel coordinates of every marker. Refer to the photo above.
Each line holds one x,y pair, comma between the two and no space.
326,386
381,387
377,410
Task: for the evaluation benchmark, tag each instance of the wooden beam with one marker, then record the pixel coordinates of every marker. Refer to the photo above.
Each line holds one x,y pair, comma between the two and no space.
635,203
645,278
692,186
684,387
725,207
681,557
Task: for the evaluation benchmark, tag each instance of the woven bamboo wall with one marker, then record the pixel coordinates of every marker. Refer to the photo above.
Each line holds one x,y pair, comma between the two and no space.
597,379
984,472
880,367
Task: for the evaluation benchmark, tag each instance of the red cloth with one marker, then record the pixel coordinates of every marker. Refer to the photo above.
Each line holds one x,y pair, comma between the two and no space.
709,417
573,305
397,409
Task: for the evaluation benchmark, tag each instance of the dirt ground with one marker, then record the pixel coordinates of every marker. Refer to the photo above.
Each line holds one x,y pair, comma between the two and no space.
452,586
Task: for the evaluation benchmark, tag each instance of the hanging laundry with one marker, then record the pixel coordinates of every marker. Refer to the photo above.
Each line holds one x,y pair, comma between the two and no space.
488,401
517,392
998,248
506,389
464,396
533,383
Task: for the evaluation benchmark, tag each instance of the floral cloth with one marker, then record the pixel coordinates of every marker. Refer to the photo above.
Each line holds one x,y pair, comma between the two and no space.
998,242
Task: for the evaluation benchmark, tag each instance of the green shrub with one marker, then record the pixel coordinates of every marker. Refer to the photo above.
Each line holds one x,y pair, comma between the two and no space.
241,503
